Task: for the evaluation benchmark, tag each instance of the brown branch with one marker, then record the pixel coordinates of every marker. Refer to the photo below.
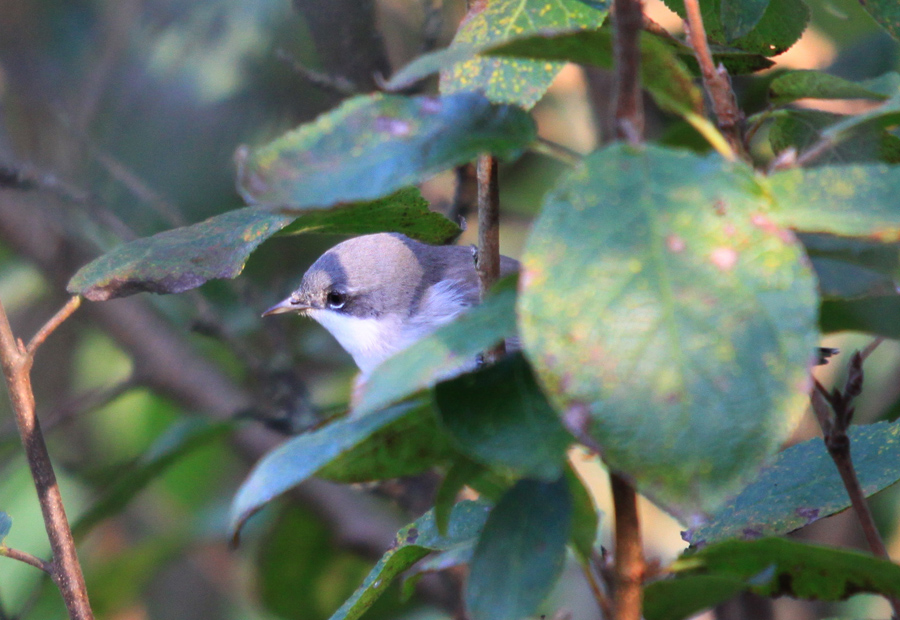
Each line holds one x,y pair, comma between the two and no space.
834,424
50,326
628,18
715,80
27,558
17,361
629,558
488,257
629,565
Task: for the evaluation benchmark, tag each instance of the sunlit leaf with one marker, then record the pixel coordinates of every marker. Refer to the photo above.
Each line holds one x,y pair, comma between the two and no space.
802,485
521,551
178,260
669,319
413,543
499,416
376,144
517,81
779,28
855,200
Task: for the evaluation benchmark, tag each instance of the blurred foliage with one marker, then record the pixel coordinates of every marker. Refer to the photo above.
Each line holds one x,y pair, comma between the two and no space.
128,113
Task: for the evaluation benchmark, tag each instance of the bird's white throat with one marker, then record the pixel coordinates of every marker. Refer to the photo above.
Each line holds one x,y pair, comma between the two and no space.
369,341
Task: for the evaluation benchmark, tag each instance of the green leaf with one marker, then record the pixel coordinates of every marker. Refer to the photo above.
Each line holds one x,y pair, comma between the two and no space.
856,200
178,260
662,74
461,471
839,279
668,319
886,13
413,543
739,17
301,457
585,518
373,145
500,417
5,526
177,442
801,129
802,485
406,446
443,353
779,28
405,211
872,315
518,81
302,573
849,267
793,85
521,551
778,567
677,599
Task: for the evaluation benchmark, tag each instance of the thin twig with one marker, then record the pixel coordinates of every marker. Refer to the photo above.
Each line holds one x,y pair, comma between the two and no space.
594,579
337,84
27,558
629,558
834,423
50,326
628,16
556,151
65,569
77,406
715,80
488,258
870,348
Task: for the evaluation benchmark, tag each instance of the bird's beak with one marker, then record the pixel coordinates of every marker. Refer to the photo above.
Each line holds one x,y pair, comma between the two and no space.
287,305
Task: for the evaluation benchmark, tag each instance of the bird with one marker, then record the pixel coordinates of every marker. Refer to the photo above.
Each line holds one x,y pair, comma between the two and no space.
377,294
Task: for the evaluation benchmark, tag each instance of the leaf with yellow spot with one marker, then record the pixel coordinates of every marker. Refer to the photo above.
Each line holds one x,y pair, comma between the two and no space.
376,144
184,258
672,322
852,200
512,80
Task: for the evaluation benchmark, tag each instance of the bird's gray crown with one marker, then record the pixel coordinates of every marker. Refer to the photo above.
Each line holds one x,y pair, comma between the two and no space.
385,273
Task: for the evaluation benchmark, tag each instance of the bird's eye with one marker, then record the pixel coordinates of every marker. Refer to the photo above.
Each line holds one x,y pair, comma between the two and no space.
336,300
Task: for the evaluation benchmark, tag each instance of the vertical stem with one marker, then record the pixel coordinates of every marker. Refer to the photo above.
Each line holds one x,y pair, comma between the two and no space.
629,121
487,260
17,361
629,559
715,81
628,16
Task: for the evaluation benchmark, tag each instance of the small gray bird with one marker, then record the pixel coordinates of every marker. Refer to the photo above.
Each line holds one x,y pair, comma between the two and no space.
377,294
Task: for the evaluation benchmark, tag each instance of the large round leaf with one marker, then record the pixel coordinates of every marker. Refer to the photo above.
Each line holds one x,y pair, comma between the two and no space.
670,318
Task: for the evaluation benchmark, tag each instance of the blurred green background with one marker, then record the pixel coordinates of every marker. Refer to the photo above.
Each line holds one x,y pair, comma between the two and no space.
119,119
